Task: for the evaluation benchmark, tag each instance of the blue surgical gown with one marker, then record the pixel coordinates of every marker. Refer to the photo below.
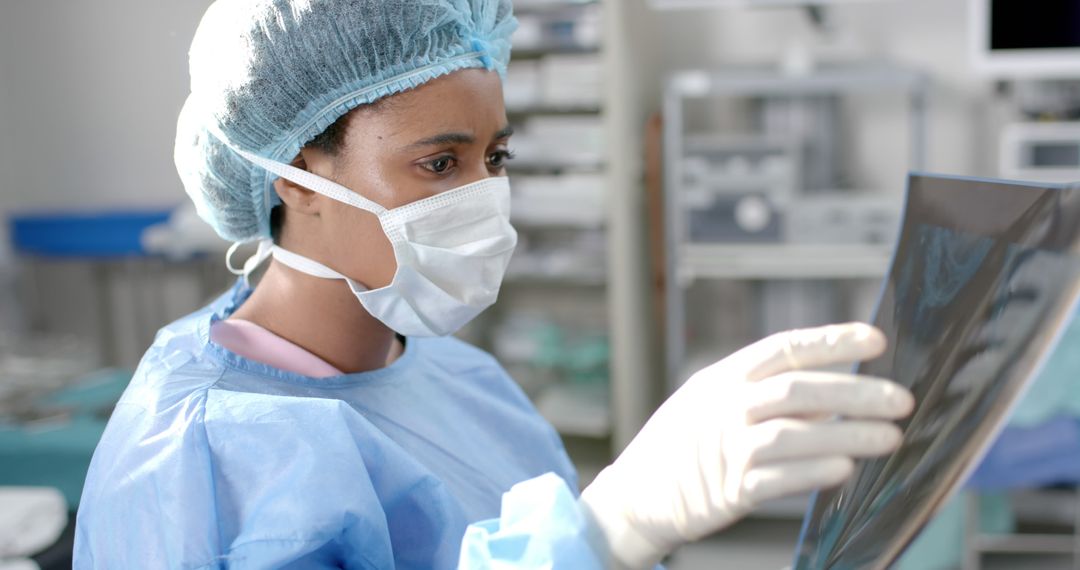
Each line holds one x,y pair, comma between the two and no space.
213,460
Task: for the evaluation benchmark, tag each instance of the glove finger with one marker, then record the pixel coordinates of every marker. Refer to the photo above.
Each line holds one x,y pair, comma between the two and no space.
778,480
806,393
787,439
812,348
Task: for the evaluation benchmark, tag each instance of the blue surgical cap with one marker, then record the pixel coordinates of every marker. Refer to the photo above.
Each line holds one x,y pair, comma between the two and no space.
268,76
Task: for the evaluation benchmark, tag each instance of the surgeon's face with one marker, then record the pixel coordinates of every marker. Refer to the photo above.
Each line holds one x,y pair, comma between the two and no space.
444,134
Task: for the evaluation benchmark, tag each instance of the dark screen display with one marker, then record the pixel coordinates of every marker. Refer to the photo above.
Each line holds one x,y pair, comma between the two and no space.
1034,24
1063,155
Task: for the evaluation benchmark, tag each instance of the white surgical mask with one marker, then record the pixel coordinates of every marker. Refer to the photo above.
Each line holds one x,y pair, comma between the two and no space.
452,250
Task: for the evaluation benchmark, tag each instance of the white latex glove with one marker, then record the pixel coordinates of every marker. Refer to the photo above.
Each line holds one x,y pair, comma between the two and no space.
750,428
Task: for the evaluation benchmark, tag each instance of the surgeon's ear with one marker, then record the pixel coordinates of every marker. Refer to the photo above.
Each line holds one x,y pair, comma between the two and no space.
296,197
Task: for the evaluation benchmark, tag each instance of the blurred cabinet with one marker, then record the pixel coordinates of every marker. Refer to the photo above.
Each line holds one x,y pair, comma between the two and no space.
551,327
761,210
90,276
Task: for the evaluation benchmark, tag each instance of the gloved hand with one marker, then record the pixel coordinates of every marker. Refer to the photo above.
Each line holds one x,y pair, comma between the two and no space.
752,427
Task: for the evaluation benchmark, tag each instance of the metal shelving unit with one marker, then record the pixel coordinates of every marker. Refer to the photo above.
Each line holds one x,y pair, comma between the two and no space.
535,285
623,292
1042,504
688,261
781,261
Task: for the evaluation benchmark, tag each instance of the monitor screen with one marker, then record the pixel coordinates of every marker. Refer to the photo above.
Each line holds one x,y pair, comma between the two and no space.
1055,155
1038,24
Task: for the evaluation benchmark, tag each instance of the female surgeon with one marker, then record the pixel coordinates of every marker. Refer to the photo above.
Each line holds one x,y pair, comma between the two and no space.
318,415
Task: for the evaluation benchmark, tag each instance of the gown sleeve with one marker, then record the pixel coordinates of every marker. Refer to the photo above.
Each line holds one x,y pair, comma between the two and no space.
540,526
214,481
147,501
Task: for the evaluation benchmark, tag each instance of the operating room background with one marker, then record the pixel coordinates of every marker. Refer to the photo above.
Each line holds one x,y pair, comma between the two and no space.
90,91
88,105
88,101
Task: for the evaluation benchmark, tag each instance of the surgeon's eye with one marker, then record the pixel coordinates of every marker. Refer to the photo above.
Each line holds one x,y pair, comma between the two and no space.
498,159
440,165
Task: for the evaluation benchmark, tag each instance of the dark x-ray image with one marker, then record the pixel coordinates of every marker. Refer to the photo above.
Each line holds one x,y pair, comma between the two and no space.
984,278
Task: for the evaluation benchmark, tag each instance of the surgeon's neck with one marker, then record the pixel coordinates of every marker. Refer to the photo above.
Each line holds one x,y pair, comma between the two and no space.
323,317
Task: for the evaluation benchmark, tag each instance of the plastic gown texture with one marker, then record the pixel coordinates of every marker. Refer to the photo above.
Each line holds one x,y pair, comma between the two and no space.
211,460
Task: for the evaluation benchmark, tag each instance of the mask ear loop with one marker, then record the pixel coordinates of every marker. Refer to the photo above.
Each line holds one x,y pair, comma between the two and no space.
228,258
308,180
266,247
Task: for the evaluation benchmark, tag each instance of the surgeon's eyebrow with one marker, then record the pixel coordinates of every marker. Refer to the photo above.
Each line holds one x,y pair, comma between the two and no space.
443,139
505,133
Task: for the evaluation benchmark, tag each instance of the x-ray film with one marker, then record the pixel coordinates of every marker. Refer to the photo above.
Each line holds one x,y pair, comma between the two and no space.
984,278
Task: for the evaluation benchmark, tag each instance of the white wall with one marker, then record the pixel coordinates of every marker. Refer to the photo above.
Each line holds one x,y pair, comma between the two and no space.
89,94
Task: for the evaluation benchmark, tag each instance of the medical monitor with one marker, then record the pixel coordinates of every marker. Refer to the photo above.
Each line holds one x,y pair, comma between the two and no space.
1026,38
